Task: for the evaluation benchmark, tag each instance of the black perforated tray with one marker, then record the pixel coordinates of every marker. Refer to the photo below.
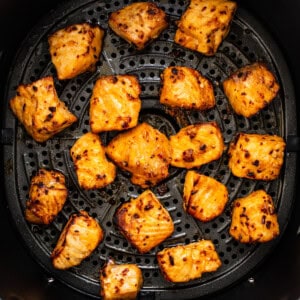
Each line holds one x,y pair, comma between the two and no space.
247,42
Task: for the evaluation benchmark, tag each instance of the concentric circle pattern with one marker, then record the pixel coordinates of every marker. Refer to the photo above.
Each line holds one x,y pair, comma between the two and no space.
243,45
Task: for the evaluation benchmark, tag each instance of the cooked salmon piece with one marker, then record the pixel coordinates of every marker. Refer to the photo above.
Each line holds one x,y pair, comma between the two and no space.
47,196
254,218
250,89
138,23
39,109
115,103
143,151
144,222
93,169
186,88
204,25
75,49
196,145
203,197
183,263
256,156
79,238
120,281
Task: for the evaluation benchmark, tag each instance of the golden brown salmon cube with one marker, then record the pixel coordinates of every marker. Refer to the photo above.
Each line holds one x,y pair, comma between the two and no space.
250,89
256,156
183,263
138,23
196,145
79,238
120,281
47,196
75,49
143,151
39,109
204,25
144,222
93,169
203,197
254,218
185,87
115,103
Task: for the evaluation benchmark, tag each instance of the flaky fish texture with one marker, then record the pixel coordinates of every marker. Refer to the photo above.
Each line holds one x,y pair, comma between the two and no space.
138,23
144,222
143,151
93,169
250,89
75,49
196,145
183,263
115,103
256,156
120,281
186,88
205,24
254,218
47,196
79,238
39,109
203,197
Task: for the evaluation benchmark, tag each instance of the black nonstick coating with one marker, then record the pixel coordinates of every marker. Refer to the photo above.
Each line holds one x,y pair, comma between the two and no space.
247,42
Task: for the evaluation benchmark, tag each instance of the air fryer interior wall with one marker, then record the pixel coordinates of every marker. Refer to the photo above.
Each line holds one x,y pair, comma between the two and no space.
246,285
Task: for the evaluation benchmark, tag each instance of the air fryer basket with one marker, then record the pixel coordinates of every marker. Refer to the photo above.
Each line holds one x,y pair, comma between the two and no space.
247,42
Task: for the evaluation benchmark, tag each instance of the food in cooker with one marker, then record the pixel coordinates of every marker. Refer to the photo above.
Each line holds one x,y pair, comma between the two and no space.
115,103
120,281
75,49
204,25
197,144
144,222
183,263
47,196
203,197
254,218
138,23
256,156
186,88
250,89
39,109
143,151
93,169
79,238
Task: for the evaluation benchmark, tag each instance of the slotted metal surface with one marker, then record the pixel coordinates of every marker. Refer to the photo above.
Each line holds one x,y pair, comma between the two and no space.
247,42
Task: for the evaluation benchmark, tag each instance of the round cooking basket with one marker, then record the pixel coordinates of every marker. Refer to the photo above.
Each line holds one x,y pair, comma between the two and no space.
247,42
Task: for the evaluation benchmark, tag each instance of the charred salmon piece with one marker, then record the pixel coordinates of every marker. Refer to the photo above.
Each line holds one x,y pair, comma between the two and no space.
196,145
79,238
203,197
138,23
254,218
93,169
47,196
75,49
120,281
204,25
256,156
39,109
115,103
183,263
143,151
186,88
250,89
144,222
